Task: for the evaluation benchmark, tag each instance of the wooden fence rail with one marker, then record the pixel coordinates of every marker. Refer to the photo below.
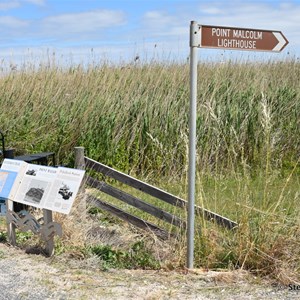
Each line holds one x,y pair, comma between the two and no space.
150,190
136,221
135,202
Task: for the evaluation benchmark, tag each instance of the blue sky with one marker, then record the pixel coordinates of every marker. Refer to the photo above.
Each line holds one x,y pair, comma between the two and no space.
119,30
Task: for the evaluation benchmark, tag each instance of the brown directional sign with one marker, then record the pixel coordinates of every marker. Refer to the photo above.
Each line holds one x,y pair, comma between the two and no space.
241,39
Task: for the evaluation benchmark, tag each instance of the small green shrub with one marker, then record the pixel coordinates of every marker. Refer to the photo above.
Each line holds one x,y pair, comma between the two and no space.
136,257
3,237
94,210
23,237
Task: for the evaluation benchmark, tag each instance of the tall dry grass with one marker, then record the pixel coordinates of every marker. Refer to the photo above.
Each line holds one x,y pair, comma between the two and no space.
134,117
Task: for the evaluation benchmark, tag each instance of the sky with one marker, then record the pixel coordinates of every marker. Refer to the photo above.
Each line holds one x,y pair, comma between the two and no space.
91,31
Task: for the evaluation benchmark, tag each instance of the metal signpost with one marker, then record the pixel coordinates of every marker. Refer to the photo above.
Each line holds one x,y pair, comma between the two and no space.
227,38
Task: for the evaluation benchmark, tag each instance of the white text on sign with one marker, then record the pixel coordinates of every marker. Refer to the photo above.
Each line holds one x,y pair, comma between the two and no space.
236,38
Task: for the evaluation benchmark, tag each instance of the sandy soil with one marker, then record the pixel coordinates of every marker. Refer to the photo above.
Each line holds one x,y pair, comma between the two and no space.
29,276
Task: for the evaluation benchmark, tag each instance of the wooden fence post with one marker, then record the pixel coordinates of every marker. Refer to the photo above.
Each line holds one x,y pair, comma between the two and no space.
80,164
79,158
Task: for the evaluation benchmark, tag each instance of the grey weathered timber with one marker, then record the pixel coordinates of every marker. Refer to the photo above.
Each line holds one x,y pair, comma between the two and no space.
156,192
49,248
11,228
163,234
80,164
135,183
135,202
79,158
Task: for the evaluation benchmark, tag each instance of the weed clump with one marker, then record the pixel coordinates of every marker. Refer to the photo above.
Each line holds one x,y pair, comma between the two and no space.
137,257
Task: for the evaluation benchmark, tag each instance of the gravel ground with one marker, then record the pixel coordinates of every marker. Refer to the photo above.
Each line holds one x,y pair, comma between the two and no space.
28,276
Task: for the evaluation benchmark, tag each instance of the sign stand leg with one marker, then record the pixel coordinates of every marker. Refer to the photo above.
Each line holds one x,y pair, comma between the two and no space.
11,228
49,243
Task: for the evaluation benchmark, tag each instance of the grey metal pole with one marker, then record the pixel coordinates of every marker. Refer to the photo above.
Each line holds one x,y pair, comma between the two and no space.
194,43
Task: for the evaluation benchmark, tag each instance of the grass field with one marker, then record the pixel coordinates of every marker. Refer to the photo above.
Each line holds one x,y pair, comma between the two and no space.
135,118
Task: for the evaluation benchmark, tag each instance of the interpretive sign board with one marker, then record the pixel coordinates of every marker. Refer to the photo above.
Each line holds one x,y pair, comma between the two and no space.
10,173
40,186
2,208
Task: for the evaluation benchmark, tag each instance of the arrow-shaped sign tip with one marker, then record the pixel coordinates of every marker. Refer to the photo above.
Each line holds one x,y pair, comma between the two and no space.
282,41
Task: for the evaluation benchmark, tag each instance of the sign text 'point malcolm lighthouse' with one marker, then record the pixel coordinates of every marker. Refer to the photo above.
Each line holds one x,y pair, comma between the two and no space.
241,39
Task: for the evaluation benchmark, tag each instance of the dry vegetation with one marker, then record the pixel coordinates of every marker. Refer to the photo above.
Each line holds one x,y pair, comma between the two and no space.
135,118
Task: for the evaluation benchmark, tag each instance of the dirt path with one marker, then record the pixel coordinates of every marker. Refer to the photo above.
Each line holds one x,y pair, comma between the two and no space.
24,276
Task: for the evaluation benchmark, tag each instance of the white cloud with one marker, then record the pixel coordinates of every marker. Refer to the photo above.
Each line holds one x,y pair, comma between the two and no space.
12,22
85,22
161,20
253,14
282,16
157,32
9,5
158,18
161,23
36,2
211,10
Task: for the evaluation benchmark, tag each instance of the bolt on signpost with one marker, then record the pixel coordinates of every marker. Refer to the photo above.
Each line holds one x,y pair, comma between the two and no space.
227,38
